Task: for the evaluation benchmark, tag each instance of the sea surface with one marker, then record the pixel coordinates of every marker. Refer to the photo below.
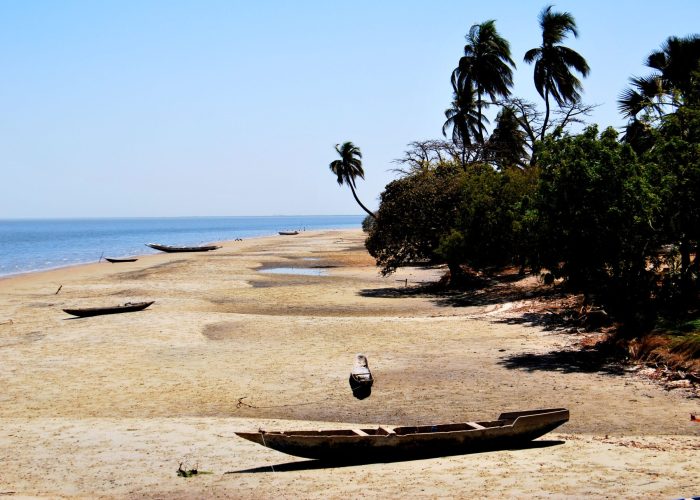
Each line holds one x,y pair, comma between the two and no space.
29,245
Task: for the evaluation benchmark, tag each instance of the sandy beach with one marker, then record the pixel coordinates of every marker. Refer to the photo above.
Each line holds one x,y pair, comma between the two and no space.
110,406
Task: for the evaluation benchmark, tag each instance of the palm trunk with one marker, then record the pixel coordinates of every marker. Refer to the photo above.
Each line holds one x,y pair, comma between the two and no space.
546,114
360,203
481,130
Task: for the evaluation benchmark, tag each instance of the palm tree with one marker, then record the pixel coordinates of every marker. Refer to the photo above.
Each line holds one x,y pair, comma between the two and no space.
485,66
465,120
553,62
348,168
675,66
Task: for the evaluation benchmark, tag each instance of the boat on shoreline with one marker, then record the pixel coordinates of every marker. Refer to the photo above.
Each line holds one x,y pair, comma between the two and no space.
380,443
116,261
85,312
171,249
288,233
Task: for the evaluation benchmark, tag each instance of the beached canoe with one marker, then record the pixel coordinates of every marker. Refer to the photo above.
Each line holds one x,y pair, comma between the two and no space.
399,443
115,261
288,233
170,249
98,311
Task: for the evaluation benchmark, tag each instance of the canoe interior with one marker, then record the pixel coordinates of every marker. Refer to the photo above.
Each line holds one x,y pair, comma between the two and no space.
400,431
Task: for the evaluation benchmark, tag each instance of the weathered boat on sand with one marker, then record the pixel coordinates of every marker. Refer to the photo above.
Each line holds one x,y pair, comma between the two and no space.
288,233
126,259
400,443
98,311
361,379
171,249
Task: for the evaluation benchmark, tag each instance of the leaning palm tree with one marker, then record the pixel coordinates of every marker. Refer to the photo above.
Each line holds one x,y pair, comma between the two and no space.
486,66
554,62
348,168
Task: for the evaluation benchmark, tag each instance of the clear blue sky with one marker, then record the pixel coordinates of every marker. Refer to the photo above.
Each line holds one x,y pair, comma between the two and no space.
171,108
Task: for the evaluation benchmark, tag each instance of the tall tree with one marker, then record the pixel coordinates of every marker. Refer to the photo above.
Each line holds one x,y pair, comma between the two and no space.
554,62
486,67
676,69
465,120
507,144
348,167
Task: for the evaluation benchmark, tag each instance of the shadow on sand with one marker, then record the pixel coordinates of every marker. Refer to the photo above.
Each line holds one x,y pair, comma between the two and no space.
482,292
325,464
595,360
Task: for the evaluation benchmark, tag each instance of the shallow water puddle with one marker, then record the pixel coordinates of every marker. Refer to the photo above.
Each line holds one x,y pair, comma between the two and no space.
295,270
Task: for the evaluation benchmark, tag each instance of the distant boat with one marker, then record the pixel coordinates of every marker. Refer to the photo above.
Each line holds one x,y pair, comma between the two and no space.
288,233
401,443
98,311
169,249
115,261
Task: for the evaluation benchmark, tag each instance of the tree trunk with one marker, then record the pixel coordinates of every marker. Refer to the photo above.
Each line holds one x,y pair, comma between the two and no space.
481,130
360,203
546,114
457,274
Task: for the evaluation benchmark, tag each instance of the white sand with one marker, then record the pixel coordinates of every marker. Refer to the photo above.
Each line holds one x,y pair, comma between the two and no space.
111,405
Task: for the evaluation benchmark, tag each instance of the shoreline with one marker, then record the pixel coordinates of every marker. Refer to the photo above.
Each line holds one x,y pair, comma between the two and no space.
144,255
121,400
87,238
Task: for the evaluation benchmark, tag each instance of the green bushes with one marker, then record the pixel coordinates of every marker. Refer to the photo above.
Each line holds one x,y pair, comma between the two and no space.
592,213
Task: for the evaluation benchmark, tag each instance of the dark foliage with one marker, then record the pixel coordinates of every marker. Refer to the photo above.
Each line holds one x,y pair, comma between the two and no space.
414,213
595,215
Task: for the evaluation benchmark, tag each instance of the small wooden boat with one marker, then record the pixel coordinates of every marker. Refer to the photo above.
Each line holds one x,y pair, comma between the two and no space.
401,443
115,261
169,249
97,311
288,233
361,379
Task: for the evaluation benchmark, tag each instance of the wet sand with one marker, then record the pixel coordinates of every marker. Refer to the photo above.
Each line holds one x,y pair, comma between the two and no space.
111,405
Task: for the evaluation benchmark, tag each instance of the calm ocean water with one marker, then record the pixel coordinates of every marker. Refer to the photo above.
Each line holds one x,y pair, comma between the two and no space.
35,245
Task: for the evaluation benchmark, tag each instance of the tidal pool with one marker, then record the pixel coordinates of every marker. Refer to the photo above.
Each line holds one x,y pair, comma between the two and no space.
306,271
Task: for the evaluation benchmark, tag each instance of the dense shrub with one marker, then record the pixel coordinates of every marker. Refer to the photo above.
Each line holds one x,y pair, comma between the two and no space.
414,213
595,220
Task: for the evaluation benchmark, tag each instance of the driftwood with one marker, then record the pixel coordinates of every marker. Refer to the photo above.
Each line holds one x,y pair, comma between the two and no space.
361,378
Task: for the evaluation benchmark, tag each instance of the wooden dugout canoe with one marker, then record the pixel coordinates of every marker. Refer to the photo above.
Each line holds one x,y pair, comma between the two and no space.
386,443
171,249
125,259
98,311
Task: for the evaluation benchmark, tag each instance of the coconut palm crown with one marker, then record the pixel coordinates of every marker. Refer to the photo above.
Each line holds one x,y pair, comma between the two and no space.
554,62
676,66
486,67
348,167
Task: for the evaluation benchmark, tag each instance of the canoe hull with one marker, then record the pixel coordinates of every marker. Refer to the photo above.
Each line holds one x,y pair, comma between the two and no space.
169,249
511,430
115,261
99,311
